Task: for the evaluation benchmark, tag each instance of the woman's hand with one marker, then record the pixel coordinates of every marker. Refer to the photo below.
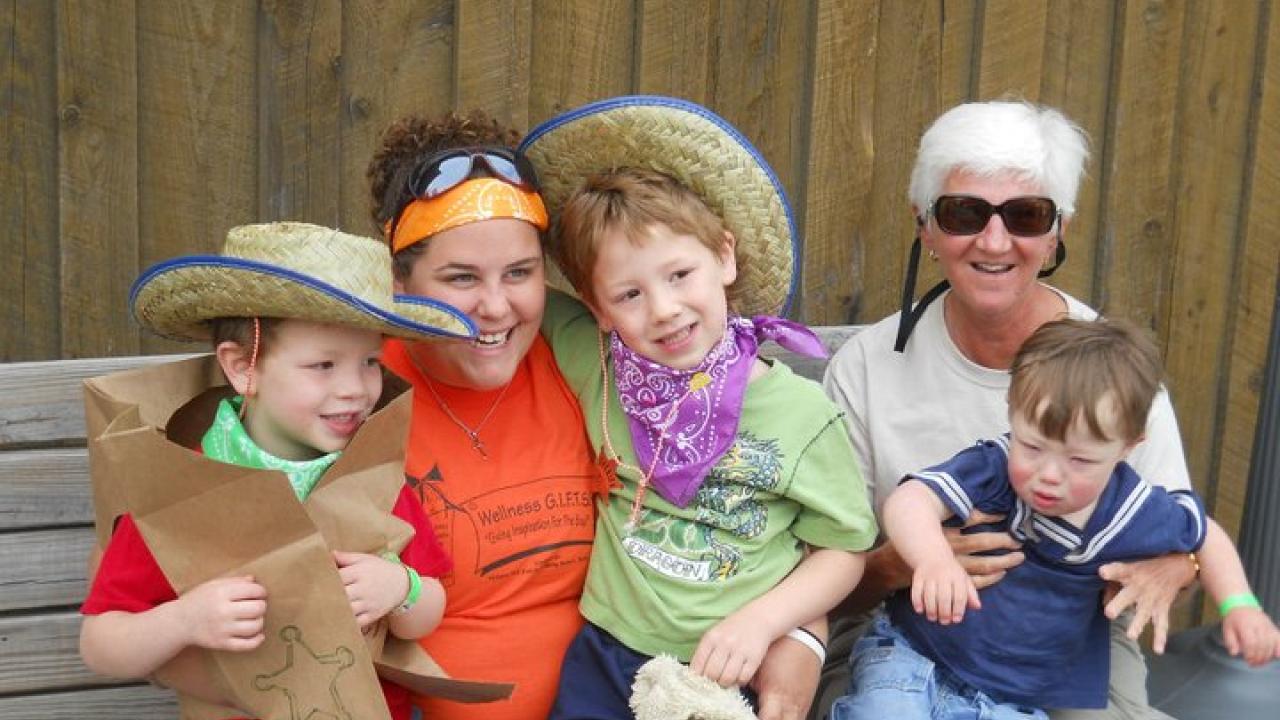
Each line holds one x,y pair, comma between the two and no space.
787,680
1149,587
985,570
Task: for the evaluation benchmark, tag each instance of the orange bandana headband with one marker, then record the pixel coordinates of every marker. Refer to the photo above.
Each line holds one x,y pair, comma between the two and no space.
472,201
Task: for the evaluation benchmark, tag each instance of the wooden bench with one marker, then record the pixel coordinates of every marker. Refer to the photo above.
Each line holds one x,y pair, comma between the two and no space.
46,534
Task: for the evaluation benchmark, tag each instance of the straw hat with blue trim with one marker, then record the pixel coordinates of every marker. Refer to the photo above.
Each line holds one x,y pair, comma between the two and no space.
288,270
696,147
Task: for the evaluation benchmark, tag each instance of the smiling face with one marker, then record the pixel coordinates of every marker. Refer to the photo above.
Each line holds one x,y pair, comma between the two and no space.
664,293
1064,478
992,273
312,389
491,270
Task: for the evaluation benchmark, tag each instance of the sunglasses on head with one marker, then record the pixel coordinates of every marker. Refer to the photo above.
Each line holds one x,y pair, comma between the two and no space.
1028,216
447,170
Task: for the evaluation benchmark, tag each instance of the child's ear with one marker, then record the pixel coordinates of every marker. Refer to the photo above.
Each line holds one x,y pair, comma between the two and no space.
600,317
1136,441
397,285
728,259
233,358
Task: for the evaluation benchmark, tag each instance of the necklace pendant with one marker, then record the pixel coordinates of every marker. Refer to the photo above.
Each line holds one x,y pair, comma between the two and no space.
478,446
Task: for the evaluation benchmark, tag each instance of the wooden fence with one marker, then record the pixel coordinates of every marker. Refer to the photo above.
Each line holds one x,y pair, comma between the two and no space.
135,130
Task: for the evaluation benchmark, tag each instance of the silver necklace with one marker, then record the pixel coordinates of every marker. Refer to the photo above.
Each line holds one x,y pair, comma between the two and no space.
472,433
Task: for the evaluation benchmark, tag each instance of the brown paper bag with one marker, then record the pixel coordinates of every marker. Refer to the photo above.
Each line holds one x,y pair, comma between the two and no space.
204,519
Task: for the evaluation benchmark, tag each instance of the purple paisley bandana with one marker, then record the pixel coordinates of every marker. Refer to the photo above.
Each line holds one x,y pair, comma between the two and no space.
693,414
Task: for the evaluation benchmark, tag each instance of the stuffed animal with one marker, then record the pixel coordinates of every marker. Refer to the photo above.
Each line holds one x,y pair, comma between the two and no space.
666,689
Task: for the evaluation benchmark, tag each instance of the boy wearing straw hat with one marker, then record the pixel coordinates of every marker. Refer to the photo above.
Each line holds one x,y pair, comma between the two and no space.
732,521
296,314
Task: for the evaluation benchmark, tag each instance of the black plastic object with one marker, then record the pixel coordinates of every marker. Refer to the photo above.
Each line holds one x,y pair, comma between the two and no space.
1197,680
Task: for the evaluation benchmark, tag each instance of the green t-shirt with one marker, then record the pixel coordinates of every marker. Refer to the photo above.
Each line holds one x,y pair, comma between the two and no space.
789,478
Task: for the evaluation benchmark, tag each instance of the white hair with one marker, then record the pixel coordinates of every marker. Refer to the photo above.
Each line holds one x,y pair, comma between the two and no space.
1032,143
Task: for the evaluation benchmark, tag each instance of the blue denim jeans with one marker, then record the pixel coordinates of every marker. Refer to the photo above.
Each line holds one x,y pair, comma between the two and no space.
889,679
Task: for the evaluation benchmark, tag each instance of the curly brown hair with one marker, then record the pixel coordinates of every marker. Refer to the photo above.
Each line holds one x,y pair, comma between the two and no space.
409,142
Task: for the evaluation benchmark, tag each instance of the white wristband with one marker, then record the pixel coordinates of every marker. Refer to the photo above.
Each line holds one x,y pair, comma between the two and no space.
807,639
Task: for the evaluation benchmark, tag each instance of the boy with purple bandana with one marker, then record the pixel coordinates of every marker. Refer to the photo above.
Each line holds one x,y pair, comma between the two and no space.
732,519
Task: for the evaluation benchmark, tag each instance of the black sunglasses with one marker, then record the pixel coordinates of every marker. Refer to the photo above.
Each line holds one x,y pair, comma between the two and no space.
447,170
1028,216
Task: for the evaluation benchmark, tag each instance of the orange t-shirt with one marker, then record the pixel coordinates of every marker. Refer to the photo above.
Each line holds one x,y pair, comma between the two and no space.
518,525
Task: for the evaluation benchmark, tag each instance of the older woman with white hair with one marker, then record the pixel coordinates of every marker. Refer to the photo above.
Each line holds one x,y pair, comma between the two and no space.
993,192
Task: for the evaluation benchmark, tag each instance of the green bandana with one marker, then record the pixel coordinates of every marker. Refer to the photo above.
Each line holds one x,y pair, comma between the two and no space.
227,441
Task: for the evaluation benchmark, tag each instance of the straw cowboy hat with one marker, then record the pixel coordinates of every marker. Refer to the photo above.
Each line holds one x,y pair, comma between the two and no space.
288,270
696,147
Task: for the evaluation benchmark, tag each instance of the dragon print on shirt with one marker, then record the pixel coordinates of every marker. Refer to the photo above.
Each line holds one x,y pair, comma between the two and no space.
726,508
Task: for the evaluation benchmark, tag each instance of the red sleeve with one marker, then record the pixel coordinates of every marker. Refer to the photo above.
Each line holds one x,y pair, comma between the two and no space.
129,578
424,552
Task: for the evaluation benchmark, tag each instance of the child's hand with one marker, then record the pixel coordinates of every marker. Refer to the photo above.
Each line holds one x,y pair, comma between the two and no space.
374,586
941,590
226,613
732,650
1249,632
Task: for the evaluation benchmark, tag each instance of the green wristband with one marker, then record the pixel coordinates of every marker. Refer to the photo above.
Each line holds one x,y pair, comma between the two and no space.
415,589
1239,600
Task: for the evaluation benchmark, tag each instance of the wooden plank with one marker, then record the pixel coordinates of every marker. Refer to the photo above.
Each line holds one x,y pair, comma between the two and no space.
1137,235
44,488
1076,79
43,401
1011,49
28,182
958,23
41,651
129,702
383,81
760,86
44,568
676,48
299,152
1254,292
582,51
495,43
197,119
840,155
1212,147
98,174
909,38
